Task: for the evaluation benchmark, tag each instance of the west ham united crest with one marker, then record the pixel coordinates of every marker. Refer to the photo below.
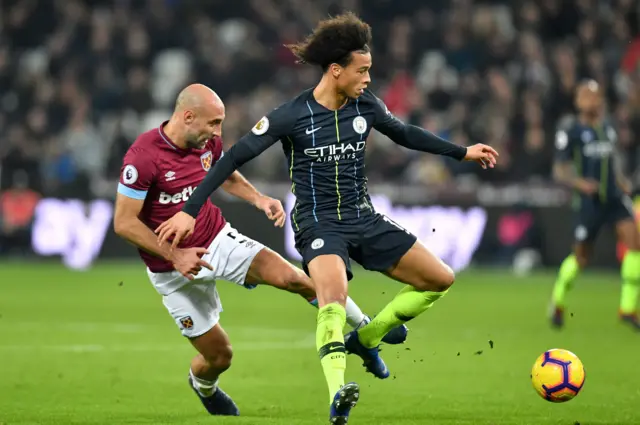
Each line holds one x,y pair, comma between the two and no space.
206,159
186,322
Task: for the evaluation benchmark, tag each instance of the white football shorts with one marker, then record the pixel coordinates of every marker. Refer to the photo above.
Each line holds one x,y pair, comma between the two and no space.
195,304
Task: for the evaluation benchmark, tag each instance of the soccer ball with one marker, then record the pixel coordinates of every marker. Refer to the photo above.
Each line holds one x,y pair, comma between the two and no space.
558,375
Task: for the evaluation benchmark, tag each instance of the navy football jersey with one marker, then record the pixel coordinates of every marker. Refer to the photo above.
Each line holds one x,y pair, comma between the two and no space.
591,150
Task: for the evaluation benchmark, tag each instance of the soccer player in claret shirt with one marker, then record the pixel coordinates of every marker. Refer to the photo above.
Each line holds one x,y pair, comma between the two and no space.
588,161
159,173
323,133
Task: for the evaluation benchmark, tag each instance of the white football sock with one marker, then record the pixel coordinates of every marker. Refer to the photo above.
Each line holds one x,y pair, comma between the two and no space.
204,387
355,317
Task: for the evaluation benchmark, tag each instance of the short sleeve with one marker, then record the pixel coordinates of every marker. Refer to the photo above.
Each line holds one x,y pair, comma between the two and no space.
563,145
137,173
611,134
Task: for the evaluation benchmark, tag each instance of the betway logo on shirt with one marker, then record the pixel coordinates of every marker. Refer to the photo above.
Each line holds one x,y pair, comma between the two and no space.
336,152
167,198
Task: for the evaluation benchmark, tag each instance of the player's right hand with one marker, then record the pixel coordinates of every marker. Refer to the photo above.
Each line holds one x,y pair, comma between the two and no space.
180,226
189,261
588,187
484,155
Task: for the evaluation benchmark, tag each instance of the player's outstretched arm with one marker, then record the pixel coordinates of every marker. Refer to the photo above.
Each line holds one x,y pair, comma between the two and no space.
182,224
239,186
264,134
419,139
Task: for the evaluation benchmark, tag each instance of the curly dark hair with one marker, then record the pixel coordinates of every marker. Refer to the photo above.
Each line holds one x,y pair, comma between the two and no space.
333,41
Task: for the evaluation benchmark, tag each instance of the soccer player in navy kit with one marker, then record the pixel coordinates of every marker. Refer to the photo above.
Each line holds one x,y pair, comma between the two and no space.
323,132
587,160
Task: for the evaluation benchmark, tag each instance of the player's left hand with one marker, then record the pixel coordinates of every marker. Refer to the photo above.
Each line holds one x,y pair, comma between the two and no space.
181,225
484,155
273,210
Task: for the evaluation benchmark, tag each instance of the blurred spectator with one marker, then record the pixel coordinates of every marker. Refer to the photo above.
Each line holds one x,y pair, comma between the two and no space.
17,207
75,93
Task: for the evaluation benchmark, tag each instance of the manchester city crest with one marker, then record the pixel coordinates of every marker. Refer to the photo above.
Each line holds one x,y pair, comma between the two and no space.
360,125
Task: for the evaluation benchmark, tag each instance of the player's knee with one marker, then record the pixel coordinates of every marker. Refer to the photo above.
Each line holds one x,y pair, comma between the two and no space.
445,279
220,357
438,282
339,297
329,295
582,260
329,279
632,243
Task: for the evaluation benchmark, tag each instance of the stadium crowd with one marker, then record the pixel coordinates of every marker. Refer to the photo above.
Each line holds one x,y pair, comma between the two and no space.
80,79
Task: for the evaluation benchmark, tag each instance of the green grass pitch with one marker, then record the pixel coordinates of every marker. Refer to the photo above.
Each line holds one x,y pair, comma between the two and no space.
98,348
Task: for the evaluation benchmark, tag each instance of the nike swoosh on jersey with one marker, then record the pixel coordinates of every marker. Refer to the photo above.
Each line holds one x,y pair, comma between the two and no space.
312,130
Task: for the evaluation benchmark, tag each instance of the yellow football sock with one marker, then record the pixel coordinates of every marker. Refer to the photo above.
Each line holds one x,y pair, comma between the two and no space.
330,345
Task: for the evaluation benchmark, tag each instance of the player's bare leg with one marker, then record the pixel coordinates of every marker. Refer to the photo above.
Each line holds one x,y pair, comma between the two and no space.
268,267
428,277
329,276
569,270
627,233
421,269
214,357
